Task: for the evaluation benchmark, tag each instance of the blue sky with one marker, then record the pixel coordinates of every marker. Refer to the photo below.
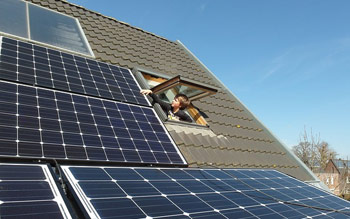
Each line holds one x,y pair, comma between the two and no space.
287,61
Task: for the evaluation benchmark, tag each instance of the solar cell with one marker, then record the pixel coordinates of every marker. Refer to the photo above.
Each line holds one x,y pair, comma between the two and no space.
29,191
37,65
198,193
42,123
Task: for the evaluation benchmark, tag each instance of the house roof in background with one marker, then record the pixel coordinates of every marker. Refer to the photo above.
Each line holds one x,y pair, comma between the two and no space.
235,138
341,163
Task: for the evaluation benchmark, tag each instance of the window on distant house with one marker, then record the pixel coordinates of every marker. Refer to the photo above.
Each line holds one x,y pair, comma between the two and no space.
35,23
167,89
327,181
332,180
347,179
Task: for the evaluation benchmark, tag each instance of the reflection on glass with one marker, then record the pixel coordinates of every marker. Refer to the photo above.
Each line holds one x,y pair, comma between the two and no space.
13,18
188,91
56,29
168,95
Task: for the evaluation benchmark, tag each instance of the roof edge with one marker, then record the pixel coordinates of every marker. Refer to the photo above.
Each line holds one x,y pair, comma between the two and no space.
319,184
291,154
331,160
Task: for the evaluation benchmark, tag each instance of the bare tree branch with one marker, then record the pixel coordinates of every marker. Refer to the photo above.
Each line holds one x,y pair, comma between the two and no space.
312,151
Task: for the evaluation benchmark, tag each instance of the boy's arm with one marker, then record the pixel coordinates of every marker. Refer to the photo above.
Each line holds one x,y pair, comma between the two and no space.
165,106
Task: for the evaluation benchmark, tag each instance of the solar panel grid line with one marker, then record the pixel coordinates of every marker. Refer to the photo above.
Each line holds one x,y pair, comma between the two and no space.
54,69
61,130
216,210
129,197
163,195
255,206
84,145
123,122
318,205
41,139
170,200
151,190
326,192
29,190
47,120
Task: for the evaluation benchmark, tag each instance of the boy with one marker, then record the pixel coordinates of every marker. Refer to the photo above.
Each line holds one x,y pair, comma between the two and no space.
175,110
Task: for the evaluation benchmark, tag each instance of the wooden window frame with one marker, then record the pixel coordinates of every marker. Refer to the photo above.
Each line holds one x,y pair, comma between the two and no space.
166,84
178,80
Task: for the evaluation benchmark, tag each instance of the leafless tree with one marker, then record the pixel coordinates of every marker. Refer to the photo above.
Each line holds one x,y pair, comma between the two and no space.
312,151
324,154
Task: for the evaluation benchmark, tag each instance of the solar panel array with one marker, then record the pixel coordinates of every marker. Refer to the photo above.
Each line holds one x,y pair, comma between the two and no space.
42,123
88,121
29,191
195,193
37,65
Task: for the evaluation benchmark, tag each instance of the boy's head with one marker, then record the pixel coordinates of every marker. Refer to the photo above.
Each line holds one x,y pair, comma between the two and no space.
182,100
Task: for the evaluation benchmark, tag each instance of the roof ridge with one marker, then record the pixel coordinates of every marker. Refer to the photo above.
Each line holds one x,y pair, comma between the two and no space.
114,19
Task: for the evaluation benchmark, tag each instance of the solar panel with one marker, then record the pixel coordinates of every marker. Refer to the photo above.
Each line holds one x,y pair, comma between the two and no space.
43,123
195,193
29,191
36,65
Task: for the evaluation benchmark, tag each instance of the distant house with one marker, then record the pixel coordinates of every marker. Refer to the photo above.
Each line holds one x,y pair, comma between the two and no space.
343,166
336,176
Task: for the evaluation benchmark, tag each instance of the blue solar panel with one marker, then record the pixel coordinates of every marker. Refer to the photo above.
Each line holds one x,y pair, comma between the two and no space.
42,123
198,193
29,191
32,64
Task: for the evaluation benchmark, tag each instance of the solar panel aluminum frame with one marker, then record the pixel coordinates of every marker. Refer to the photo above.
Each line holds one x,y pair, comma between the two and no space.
61,199
79,197
137,83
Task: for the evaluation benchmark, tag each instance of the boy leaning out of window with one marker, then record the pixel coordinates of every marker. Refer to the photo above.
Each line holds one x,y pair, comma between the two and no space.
175,110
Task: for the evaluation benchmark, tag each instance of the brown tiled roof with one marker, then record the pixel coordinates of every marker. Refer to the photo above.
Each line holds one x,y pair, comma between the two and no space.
237,140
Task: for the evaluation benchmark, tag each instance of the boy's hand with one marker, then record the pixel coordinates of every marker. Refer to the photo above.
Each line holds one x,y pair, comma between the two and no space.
145,92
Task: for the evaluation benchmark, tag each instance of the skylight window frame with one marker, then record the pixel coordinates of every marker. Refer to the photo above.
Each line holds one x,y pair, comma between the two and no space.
80,29
198,119
179,80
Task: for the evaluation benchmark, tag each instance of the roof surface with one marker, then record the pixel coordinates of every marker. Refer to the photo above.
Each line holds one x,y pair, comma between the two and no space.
235,138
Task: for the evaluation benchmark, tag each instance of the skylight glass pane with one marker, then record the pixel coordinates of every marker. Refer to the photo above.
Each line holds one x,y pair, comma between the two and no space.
13,17
188,91
56,29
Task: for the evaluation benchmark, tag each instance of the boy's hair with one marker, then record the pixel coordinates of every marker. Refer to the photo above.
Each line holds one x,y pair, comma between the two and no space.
184,101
